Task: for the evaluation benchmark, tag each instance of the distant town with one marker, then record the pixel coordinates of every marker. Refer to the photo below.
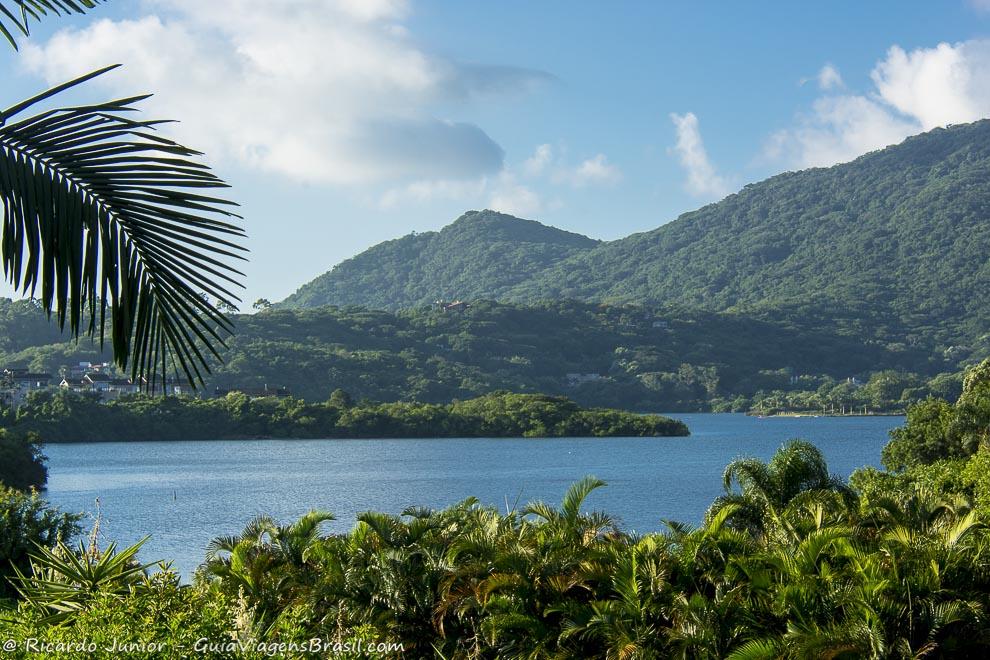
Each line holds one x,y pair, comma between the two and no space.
104,381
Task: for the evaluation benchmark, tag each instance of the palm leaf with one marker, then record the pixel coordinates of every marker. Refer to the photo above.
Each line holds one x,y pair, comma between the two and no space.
109,219
757,649
16,15
576,494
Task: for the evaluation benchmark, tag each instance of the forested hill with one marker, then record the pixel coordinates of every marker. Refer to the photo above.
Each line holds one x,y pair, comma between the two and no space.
897,237
903,232
482,254
620,356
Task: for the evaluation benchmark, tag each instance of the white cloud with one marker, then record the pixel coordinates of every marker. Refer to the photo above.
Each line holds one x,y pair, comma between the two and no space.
829,78
514,198
937,86
980,5
702,179
328,91
537,164
594,171
426,191
913,92
839,129
514,189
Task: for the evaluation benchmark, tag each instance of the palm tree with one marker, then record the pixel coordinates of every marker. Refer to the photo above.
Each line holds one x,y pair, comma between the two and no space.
627,621
795,474
108,223
267,563
710,611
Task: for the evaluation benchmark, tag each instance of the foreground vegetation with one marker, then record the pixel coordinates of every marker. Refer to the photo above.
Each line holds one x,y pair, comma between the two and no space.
69,417
791,562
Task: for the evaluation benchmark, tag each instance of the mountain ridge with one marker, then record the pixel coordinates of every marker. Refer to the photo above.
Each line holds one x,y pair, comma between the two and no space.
421,267
898,236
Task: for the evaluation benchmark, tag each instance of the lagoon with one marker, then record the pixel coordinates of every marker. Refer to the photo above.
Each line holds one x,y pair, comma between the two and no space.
185,493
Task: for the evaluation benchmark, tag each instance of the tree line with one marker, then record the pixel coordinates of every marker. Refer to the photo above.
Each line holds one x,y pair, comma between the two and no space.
65,416
633,357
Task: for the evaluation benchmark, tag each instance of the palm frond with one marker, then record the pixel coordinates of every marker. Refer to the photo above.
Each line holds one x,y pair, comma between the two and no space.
110,220
574,497
16,15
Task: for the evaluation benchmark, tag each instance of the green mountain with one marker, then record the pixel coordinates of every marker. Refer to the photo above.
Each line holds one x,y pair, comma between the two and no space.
895,242
482,254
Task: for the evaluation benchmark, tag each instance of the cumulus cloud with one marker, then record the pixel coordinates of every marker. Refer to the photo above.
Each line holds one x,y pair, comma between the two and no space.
937,86
702,179
595,170
913,91
468,191
327,91
537,164
829,78
512,197
838,130
517,189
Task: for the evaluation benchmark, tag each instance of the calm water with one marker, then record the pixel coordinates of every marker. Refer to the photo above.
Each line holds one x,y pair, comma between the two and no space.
185,493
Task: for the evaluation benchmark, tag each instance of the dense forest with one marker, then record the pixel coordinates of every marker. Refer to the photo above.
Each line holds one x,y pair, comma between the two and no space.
658,359
896,239
791,562
71,417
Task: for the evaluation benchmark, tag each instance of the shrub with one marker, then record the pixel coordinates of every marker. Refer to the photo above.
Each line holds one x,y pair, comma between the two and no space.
22,465
26,520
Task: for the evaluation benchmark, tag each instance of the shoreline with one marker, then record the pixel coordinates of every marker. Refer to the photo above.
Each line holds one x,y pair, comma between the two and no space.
813,414
365,438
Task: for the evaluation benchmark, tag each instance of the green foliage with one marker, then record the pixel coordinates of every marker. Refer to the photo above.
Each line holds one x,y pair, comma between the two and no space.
22,465
936,429
789,563
975,475
68,417
947,477
899,578
27,523
631,357
63,581
161,619
796,473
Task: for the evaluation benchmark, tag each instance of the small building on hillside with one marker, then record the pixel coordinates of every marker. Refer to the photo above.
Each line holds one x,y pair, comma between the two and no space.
452,306
121,386
21,382
96,382
576,379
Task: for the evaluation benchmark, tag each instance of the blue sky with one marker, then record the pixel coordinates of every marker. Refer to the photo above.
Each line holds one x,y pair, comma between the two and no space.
342,123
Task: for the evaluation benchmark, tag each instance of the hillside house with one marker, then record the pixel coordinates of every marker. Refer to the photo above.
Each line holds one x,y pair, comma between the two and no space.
576,379
96,382
21,382
453,306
